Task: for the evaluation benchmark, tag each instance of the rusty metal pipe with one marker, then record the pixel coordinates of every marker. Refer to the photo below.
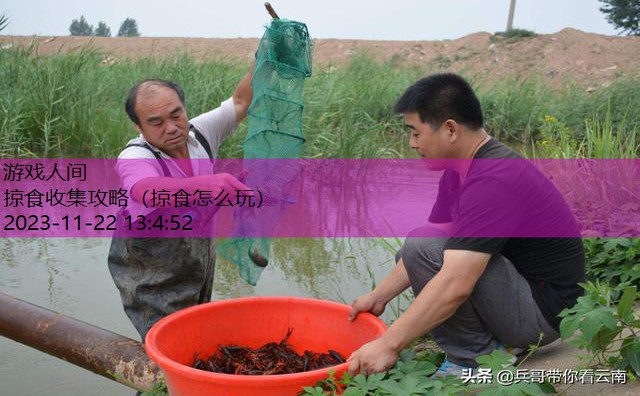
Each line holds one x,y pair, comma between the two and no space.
100,351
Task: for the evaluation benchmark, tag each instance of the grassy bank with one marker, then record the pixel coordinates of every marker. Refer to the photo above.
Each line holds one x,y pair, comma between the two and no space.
71,105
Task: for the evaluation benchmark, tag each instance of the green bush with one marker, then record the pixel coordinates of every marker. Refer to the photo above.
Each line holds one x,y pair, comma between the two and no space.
513,35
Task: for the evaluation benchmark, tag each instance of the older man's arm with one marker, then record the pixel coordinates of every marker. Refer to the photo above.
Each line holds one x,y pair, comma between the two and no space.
243,95
438,301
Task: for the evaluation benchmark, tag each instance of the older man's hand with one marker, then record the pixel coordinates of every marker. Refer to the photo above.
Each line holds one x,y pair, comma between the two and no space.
374,357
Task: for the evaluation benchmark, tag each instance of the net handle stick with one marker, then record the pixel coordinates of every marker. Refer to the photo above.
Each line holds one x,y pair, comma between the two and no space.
271,11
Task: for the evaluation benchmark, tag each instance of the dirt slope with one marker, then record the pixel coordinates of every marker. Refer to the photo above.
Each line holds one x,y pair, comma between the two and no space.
591,59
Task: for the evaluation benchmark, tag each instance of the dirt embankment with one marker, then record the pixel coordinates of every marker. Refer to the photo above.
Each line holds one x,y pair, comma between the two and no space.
587,58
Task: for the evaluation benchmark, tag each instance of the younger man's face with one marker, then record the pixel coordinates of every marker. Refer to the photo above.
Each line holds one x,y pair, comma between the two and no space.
429,143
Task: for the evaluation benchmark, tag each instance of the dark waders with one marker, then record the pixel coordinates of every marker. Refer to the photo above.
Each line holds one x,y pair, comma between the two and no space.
158,276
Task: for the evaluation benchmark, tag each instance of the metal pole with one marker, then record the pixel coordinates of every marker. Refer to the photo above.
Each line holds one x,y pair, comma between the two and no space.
271,11
100,351
512,10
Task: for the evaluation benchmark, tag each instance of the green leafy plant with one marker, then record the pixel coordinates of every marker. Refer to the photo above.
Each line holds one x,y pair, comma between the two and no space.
408,377
500,361
603,322
411,376
158,389
614,260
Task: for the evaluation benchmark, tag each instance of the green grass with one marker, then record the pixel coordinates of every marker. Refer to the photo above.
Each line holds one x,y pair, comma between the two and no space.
71,105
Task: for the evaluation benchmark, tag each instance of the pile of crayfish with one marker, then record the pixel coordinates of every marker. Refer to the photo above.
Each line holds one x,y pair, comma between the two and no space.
270,359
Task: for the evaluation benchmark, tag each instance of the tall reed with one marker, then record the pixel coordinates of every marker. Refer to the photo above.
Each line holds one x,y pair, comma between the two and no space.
71,105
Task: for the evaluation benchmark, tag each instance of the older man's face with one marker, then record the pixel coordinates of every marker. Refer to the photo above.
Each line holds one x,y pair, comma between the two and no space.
163,119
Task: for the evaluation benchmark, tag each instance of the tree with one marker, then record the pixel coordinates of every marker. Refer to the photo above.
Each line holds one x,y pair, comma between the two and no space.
623,14
129,28
80,27
4,21
103,30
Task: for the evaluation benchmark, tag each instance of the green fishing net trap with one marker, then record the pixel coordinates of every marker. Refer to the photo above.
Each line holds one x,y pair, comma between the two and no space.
283,62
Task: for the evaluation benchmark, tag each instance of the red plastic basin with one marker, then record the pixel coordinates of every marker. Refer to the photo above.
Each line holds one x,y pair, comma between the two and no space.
197,332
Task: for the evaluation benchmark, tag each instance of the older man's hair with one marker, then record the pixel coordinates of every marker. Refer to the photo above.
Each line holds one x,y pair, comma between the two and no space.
130,104
440,97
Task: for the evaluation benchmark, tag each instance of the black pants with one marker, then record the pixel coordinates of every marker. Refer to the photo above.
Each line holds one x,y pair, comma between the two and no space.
158,276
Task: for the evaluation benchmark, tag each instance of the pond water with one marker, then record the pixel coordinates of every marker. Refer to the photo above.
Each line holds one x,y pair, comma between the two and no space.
70,276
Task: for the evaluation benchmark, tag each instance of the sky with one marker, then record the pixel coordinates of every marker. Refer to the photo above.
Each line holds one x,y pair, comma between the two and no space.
344,19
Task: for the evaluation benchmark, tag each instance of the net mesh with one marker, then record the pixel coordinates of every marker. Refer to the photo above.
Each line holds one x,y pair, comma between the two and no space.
283,61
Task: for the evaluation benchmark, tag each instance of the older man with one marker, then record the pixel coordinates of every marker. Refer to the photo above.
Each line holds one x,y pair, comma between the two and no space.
473,292
157,276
